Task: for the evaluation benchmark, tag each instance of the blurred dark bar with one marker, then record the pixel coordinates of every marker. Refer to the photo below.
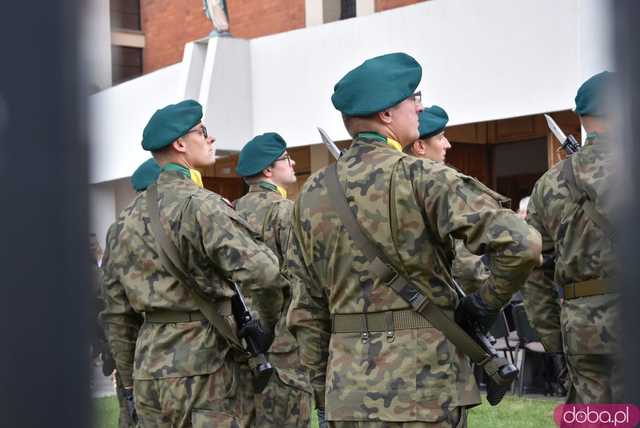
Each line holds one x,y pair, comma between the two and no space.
43,218
626,15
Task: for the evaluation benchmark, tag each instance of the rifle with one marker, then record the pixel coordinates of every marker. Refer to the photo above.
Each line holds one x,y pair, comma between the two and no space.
569,144
256,338
469,338
497,386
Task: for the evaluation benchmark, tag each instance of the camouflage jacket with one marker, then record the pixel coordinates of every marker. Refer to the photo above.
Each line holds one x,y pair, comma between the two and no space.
215,245
270,214
468,269
574,249
412,208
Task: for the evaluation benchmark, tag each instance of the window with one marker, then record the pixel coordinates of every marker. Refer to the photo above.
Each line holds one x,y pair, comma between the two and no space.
347,9
126,63
125,14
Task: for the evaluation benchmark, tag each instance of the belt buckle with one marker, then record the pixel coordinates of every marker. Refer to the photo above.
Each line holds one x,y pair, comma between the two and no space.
570,290
395,275
389,326
364,328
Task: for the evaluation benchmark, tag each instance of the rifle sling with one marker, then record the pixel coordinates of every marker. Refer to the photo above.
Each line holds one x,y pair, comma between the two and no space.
171,261
400,284
582,197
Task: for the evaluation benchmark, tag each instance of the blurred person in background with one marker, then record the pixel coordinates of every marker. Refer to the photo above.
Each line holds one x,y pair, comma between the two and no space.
568,206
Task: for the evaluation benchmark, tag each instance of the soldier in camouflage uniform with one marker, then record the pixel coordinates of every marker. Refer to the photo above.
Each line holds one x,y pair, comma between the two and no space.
469,270
100,344
183,372
146,174
568,207
267,168
405,373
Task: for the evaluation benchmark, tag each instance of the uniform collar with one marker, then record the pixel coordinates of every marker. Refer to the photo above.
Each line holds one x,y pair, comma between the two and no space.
192,174
269,187
595,137
379,137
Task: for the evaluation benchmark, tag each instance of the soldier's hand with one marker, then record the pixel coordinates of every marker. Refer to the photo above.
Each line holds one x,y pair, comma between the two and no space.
108,364
260,337
472,310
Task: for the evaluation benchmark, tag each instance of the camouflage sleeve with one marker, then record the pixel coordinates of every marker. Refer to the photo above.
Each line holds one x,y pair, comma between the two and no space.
463,210
309,319
468,269
234,248
269,302
121,322
541,299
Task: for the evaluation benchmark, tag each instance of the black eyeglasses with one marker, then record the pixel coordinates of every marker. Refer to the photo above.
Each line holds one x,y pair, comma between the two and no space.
285,157
202,130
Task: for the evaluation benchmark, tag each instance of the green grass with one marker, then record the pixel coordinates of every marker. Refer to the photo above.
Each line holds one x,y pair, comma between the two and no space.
513,412
105,412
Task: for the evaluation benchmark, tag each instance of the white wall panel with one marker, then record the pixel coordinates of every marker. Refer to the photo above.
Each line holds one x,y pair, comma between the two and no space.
226,92
118,117
482,60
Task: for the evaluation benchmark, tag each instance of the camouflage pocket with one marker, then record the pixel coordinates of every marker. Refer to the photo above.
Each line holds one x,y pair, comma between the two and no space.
201,418
370,379
590,325
149,416
290,371
437,375
281,405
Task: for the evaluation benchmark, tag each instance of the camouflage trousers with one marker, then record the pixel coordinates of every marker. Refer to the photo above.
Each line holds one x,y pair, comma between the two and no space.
223,399
124,421
457,418
594,379
281,405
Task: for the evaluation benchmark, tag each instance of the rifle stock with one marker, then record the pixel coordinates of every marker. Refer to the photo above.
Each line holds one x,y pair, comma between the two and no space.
262,369
497,383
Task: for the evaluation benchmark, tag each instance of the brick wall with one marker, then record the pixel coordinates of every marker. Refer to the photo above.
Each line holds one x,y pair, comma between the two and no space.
169,24
255,18
392,4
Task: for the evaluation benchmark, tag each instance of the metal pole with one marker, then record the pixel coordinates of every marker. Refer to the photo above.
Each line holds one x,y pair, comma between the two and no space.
626,15
44,306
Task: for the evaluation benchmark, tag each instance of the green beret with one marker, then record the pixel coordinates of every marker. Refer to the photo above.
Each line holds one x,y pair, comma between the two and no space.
591,99
432,121
377,84
259,153
145,175
170,123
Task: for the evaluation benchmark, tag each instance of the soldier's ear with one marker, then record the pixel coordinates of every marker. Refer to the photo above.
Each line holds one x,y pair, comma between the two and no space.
179,145
385,116
267,172
416,148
